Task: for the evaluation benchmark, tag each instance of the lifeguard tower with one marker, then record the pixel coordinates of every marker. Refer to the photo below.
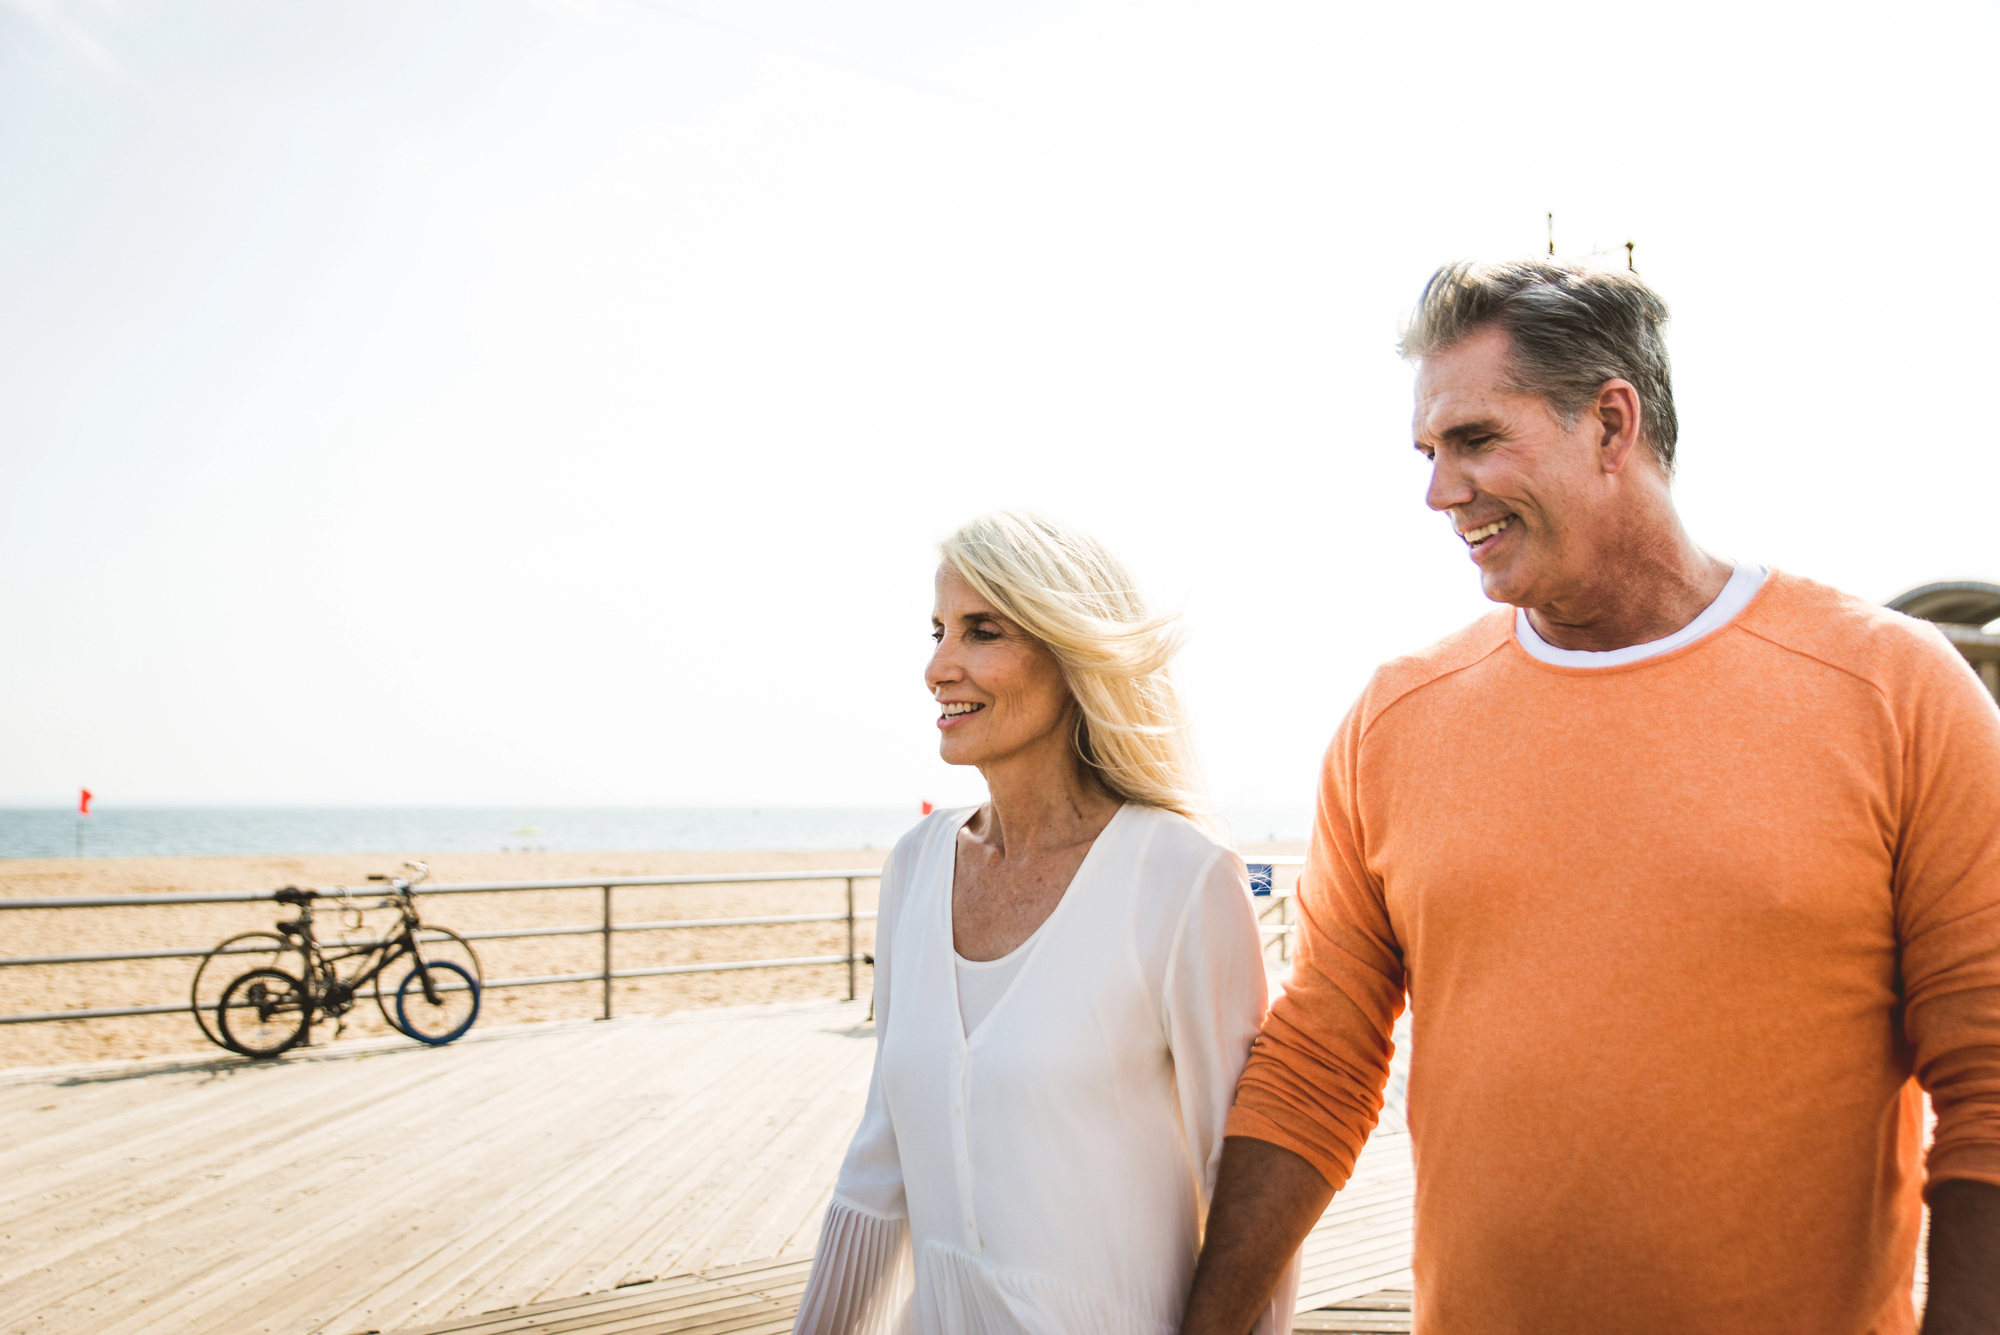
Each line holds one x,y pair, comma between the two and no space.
1961,608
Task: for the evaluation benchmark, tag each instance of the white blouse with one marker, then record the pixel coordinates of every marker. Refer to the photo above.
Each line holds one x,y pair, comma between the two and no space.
1048,1172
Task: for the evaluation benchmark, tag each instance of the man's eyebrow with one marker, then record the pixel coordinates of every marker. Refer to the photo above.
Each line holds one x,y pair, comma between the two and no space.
1481,426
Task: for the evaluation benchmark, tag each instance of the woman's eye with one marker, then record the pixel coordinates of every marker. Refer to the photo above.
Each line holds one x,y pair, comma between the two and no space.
982,634
937,634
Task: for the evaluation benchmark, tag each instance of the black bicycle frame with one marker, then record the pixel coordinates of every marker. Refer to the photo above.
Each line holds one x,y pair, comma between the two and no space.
318,957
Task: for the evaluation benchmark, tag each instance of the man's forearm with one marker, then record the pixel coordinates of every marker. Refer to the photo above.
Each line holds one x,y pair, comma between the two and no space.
1266,1200
1964,1260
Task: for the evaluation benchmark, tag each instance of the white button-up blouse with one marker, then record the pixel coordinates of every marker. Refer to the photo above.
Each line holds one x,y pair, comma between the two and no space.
1049,1172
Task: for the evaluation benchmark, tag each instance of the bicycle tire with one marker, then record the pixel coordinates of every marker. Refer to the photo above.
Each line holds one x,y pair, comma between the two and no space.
210,978
271,1012
470,960
436,1025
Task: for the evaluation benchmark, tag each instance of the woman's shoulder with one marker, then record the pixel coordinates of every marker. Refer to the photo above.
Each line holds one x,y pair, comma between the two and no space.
1173,835
1176,854
922,840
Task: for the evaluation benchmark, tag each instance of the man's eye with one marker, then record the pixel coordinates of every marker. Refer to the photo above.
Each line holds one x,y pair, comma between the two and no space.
937,634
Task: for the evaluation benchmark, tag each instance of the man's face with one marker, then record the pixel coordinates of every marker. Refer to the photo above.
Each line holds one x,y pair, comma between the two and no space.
1525,493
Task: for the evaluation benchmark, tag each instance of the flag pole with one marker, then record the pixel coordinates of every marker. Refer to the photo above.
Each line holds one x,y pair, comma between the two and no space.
82,813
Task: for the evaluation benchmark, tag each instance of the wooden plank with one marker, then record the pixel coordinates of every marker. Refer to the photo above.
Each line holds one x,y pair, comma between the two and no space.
382,1186
756,1298
379,1185
732,1299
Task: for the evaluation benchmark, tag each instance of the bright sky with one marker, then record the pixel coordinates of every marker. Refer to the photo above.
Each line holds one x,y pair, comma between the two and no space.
506,401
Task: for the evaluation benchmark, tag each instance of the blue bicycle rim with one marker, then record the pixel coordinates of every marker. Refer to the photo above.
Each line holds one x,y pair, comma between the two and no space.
403,992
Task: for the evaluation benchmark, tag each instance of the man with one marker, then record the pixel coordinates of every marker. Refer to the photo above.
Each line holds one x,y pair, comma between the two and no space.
1687,868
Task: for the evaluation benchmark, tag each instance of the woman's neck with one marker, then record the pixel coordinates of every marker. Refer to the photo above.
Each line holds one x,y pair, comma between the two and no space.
1038,802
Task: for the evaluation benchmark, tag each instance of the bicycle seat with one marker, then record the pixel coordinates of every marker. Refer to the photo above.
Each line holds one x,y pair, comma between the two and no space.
291,894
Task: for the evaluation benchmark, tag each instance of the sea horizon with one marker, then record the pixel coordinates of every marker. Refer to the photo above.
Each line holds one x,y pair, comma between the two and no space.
144,830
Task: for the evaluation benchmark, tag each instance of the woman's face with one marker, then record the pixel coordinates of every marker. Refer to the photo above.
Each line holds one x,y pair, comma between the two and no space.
999,691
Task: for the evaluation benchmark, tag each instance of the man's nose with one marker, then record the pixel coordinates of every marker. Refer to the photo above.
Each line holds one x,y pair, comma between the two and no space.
1449,488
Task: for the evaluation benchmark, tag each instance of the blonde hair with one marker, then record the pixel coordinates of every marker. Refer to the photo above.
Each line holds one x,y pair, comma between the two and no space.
1061,586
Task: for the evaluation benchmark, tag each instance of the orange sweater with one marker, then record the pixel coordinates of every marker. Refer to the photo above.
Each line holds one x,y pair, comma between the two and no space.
1676,937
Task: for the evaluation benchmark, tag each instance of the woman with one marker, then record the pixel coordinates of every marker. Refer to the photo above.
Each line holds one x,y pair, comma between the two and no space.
1067,980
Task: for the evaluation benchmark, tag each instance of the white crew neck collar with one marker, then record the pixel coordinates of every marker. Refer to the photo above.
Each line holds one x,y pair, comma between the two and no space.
1744,581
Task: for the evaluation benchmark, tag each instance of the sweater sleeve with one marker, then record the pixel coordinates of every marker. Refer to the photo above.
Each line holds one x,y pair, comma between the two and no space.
861,1271
1948,913
1215,997
1316,1073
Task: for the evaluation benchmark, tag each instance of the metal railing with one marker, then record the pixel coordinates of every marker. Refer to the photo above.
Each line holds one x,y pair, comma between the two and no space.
606,928
1272,900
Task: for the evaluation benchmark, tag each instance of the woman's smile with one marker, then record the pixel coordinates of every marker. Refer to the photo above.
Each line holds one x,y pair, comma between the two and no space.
953,712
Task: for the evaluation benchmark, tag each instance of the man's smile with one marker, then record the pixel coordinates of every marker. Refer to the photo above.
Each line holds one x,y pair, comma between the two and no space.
1475,537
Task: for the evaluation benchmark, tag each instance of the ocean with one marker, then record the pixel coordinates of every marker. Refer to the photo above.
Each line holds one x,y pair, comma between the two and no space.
113,831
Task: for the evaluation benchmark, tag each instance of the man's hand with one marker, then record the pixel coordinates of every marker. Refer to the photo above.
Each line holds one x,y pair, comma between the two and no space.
1266,1200
1964,1259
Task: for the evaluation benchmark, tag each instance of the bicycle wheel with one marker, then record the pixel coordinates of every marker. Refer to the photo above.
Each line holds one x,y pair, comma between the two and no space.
262,1013
220,967
453,949
457,1003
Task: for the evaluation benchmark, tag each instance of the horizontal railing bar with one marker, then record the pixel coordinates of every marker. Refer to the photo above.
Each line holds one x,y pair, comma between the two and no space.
662,970
665,969
113,956
139,901
615,882
102,1013
774,920
538,982
475,888
509,934
672,924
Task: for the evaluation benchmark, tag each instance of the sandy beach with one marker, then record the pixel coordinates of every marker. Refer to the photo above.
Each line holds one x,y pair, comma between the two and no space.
146,982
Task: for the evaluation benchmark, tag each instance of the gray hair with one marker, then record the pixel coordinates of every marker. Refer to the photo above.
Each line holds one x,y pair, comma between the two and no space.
1573,327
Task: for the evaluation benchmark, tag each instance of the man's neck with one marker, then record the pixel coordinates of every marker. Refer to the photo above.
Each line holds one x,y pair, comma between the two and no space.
1645,597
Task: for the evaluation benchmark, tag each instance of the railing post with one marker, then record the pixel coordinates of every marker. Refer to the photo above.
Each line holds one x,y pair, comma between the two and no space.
850,938
607,952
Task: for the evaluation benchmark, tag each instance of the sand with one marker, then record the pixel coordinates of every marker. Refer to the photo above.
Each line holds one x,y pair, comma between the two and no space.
32,988
147,982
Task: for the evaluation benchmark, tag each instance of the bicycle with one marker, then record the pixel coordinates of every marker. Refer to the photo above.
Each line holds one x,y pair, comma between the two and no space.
270,1008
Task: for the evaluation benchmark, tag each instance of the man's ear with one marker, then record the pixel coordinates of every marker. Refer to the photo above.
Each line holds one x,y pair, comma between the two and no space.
1617,411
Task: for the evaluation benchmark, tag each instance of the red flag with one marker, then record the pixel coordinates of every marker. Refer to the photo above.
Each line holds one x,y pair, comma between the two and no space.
83,807
928,808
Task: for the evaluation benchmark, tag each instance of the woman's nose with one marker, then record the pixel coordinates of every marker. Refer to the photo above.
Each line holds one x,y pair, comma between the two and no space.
942,668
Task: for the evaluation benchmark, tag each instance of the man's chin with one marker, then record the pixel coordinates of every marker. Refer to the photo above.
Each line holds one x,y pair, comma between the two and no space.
1504,586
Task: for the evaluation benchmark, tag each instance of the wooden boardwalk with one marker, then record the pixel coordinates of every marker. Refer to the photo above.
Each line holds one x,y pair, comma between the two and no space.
762,1300
380,1186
